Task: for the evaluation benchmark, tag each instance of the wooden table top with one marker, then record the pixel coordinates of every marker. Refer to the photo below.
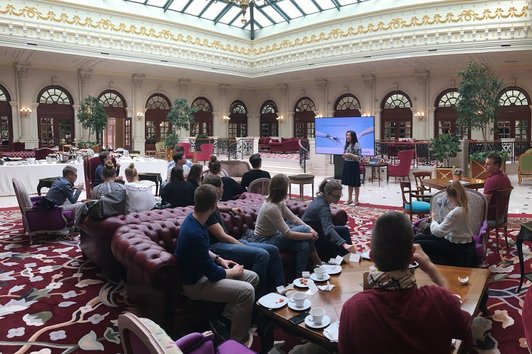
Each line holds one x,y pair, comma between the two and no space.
350,282
442,183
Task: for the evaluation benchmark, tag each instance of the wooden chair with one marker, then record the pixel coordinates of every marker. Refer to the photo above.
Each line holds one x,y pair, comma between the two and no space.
402,169
419,176
205,153
260,185
412,203
89,169
500,216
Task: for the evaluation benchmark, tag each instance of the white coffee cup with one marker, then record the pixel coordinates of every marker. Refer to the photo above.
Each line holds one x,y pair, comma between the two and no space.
299,298
317,314
320,272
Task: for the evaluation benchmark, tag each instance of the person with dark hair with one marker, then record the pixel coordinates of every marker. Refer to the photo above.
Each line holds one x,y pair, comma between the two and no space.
332,240
139,194
277,225
231,187
207,276
450,240
496,180
108,184
105,156
256,163
178,159
412,319
351,174
63,192
262,258
177,192
194,176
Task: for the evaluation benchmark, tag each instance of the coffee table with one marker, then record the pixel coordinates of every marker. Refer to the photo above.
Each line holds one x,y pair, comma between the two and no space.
442,183
350,282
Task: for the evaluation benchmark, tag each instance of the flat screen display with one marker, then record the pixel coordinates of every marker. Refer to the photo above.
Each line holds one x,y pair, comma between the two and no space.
330,134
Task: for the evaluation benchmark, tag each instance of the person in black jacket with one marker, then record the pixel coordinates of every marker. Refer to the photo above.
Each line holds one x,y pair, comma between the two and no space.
177,192
256,162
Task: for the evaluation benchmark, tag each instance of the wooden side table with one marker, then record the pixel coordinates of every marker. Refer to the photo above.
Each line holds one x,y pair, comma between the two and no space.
301,180
525,234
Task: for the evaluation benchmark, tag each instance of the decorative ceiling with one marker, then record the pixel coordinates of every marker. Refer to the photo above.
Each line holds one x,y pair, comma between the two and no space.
249,15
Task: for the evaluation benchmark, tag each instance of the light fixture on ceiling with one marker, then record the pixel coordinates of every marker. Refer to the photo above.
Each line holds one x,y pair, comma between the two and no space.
244,5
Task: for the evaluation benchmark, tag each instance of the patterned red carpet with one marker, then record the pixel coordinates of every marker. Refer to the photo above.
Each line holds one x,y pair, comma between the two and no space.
52,301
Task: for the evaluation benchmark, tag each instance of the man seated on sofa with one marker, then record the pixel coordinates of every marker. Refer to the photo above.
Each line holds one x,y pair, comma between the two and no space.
394,315
495,181
65,193
178,159
207,276
262,258
256,162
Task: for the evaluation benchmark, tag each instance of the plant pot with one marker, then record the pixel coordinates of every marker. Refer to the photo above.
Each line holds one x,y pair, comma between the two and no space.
444,172
478,170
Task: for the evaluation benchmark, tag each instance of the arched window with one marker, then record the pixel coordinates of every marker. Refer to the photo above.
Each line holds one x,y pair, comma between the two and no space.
55,117
269,125
118,132
238,123
513,118
157,126
347,106
203,119
304,118
6,120
445,115
396,116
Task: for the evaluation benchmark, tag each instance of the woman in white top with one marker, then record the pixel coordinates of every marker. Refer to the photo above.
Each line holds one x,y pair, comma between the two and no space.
451,240
139,194
277,225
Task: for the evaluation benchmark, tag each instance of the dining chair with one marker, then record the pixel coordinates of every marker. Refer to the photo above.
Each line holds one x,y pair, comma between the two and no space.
260,185
205,153
402,169
499,217
141,336
419,176
89,169
412,203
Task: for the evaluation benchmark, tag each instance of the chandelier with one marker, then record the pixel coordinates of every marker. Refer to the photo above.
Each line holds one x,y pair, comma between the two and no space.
244,5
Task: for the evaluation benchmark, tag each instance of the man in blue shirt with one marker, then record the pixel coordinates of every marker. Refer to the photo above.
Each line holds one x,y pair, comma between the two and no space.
63,190
207,276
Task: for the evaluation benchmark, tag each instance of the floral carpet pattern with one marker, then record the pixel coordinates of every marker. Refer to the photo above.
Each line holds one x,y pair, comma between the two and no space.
53,301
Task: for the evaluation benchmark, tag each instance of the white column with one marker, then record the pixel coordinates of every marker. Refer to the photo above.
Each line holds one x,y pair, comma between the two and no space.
138,113
84,77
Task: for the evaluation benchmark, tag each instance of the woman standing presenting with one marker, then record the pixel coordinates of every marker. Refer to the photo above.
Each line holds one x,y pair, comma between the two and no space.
351,173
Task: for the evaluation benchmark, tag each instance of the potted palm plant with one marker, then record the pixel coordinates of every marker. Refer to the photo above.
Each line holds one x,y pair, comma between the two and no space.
180,116
92,116
443,148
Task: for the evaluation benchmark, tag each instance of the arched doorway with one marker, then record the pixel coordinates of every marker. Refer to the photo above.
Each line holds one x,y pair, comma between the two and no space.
118,131
157,126
238,123
396,116
55,117
513,116
347,106
445,115
6,120
269,125
304,118
203,120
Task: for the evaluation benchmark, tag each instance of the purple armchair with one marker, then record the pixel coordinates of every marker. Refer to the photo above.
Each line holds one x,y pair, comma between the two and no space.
141,335
403,168
40,220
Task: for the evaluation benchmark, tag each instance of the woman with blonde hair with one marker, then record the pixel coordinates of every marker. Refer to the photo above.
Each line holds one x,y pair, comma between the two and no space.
277,225
140,194
451,239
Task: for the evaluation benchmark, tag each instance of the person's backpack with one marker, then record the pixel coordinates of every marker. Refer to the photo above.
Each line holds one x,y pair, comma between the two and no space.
114,203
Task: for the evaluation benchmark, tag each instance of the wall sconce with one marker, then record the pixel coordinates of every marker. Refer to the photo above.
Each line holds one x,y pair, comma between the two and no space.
419,116
319,116
280,118
365,115
140,115
226,118
25,111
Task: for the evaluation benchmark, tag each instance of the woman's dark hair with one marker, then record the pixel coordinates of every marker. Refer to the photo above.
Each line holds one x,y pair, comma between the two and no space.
194,175
354,138
109,170
214,165
177,174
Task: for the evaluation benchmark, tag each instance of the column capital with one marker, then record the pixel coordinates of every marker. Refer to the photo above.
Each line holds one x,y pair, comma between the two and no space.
369,79
223,88
322,83
138,79
183,83
23,69
283,87
85,76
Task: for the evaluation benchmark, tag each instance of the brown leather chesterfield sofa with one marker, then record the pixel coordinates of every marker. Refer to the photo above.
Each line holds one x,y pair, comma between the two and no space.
141,245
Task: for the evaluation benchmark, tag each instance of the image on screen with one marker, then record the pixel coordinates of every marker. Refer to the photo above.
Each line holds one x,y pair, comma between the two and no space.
330,134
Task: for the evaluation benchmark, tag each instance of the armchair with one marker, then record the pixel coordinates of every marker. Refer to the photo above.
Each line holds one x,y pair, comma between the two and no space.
205,153
39,221
260,185
186,147
40,154
403,168
89,169
524,166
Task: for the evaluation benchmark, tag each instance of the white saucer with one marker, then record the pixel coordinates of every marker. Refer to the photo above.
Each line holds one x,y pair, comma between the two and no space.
273,301
315,278
324,322
302,282
306,305
332,269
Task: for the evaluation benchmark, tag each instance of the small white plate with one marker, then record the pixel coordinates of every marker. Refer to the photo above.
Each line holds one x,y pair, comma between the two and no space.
332,269
314,277
324,322
273,301
292,305
302,282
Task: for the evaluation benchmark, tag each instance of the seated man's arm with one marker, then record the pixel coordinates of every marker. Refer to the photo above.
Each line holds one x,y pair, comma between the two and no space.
218,231
428,267
71,194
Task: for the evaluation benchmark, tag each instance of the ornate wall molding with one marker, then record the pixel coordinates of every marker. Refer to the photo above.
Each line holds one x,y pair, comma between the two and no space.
451,27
